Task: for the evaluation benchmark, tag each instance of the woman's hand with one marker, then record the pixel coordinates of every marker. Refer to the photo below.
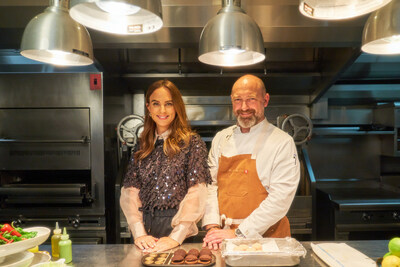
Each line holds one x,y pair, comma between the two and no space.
146,242
164,243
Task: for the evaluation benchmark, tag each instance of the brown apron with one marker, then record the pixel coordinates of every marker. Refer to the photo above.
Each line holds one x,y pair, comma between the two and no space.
240,190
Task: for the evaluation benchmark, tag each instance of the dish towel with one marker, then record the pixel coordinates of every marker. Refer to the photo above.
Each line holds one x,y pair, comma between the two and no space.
341,255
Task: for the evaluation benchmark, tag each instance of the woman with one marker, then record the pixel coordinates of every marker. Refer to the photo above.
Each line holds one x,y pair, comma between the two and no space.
164,190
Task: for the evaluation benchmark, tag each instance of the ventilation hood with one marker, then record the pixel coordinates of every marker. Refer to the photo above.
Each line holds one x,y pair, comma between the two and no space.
304,57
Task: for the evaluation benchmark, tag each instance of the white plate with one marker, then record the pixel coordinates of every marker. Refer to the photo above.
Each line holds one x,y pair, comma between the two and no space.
59,263
15,247
21,259
40,257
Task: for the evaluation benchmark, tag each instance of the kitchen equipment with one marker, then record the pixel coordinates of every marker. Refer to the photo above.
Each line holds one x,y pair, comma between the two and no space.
357,210
129,129
299,126
52,154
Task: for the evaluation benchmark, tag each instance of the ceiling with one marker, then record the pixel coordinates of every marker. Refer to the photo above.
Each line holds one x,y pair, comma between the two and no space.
305,57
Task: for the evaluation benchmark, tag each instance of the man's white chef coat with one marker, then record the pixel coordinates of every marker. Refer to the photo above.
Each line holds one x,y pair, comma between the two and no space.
277,167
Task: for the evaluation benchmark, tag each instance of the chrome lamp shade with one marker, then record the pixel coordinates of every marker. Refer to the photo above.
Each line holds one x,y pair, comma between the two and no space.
54,37
339,9
231,38
130,17
381,33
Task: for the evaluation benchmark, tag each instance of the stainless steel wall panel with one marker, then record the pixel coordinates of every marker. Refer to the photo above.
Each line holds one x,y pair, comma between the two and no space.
345,157
209,113
45,125
44,156
348,115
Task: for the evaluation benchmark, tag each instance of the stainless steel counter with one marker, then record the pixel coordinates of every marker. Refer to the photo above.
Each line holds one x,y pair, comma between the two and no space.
128,255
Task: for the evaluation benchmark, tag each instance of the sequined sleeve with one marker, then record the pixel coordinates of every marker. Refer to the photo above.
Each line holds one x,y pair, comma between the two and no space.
197,170
191,208
131,178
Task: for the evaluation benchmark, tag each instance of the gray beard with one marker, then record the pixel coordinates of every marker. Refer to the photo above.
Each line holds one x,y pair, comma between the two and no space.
248,122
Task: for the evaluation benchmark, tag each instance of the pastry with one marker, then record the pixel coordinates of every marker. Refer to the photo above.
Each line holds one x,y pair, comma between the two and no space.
178,259
194,252
243,247
205,251
204,259
190,259
257,246
236,248
181,252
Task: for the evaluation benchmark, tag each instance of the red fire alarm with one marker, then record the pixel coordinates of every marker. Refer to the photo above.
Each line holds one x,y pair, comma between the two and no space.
95,81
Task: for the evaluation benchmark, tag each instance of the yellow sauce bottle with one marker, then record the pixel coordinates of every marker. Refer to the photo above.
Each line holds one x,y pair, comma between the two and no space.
55,239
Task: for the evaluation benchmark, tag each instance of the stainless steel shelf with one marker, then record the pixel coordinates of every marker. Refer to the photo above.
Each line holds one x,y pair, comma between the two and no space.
348,131
212,123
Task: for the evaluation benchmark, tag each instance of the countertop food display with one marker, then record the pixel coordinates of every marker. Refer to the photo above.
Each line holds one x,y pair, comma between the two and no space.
128,255
14,252
191,258
262,252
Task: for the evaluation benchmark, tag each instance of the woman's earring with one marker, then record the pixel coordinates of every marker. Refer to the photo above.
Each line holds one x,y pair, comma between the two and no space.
150,115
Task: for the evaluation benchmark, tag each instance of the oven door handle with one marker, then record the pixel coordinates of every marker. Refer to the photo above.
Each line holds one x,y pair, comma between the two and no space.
84,140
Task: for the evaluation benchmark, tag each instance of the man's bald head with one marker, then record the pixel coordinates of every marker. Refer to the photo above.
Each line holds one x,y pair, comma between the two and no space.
249,98
249,81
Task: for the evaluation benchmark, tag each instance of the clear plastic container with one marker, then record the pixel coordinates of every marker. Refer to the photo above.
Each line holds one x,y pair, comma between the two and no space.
262,252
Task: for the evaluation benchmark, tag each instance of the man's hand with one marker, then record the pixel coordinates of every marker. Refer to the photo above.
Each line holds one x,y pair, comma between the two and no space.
164,243
146,241
214,237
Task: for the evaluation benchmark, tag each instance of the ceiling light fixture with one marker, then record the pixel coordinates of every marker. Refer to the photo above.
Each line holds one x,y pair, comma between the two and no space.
231,39
381,33
338,9
118,16
54,37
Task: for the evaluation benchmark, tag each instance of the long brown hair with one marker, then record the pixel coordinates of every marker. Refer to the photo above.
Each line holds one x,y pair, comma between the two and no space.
179,137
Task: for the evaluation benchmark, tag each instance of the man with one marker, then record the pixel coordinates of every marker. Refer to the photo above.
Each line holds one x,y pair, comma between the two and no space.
255,172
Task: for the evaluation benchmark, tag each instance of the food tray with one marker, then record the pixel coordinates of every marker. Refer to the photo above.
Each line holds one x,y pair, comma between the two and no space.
167,260
273,252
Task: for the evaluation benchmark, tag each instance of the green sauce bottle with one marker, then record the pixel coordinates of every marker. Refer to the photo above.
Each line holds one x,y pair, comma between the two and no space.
55,238
65,246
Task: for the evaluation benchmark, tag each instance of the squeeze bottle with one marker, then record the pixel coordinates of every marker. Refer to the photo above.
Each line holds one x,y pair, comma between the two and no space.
55,238
65,246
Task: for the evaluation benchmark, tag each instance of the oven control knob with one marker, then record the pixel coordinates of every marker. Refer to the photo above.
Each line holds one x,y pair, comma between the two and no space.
396,215
366,216
17,223
75,222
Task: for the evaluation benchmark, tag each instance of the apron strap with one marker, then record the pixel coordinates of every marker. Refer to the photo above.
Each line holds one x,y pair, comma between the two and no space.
225,141
227,222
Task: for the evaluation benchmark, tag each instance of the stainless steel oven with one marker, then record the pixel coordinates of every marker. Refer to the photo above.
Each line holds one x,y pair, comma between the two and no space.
51,153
